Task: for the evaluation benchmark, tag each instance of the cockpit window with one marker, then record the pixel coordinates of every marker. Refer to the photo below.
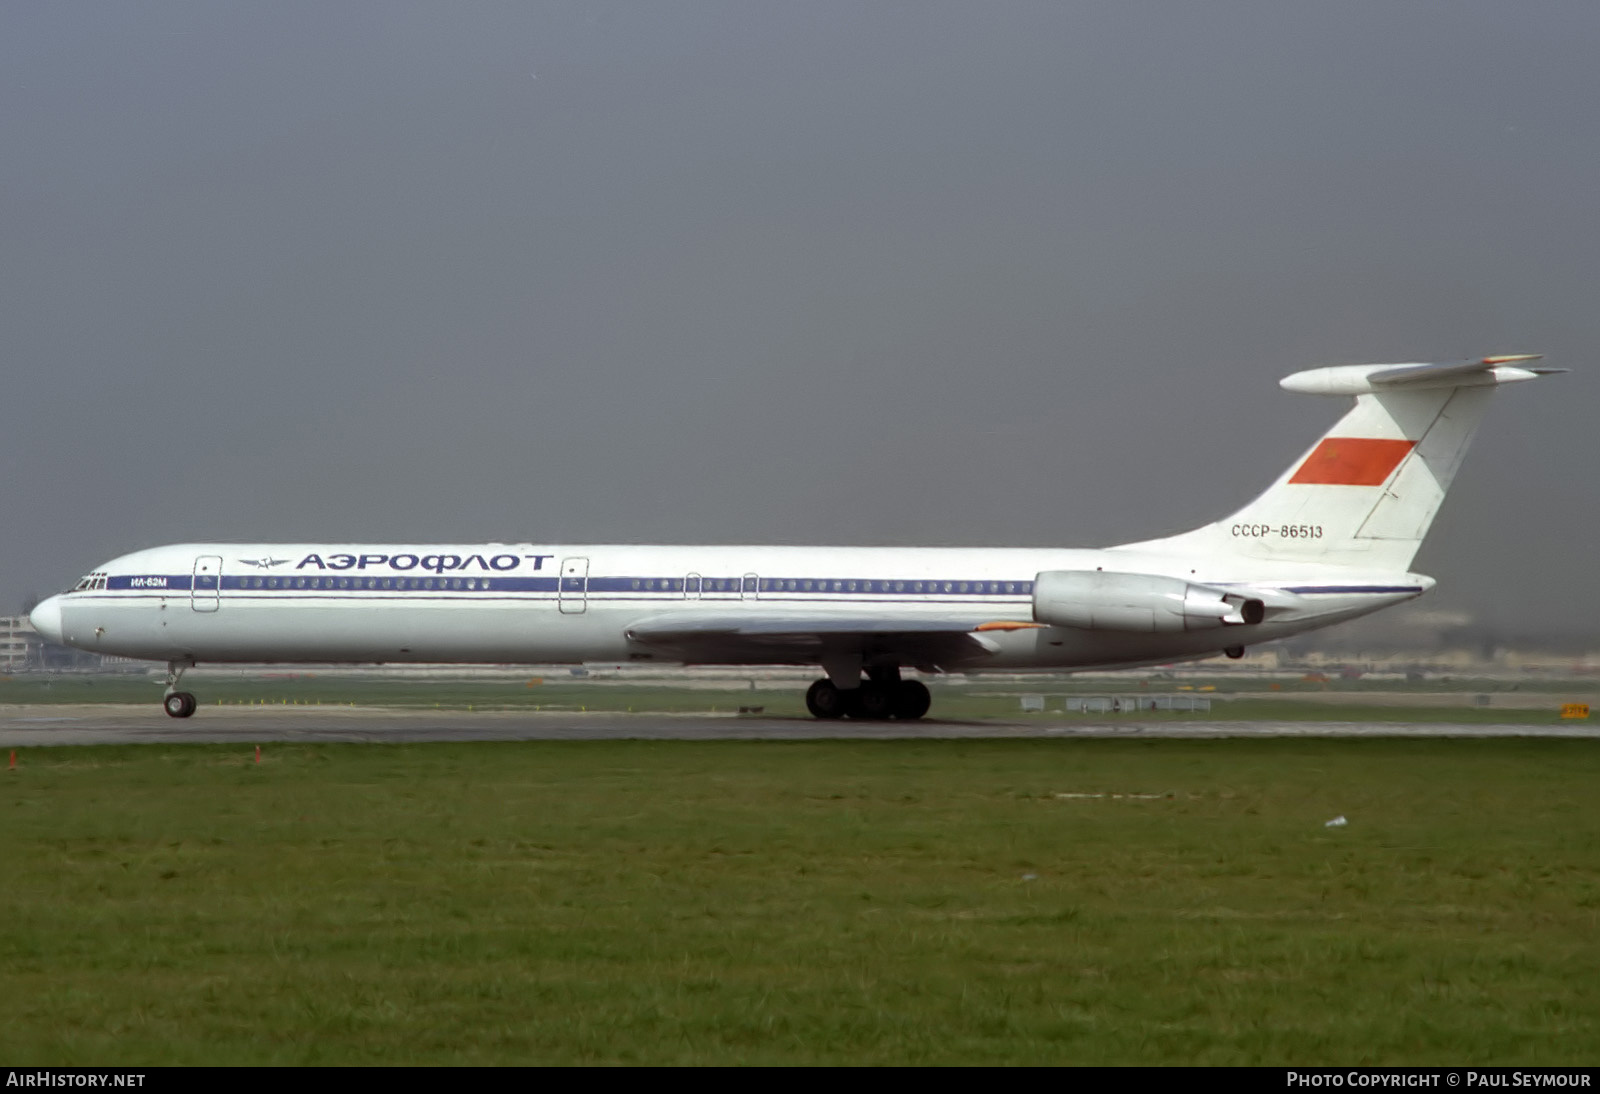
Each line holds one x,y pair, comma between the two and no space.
95,580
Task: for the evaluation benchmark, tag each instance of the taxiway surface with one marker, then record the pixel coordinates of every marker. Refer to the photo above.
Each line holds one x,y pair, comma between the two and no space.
32,726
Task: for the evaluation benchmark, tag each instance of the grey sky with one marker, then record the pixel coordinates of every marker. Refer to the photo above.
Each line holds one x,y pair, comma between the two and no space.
816,272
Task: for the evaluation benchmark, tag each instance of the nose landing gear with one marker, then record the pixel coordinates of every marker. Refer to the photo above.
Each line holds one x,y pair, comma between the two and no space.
178,704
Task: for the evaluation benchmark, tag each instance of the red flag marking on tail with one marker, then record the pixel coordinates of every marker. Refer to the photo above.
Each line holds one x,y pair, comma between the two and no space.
1352,461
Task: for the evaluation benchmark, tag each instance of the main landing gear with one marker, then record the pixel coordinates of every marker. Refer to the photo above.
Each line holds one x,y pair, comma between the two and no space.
882,695
178,704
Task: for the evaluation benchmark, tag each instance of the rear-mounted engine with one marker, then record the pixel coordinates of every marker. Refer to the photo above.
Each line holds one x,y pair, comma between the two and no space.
1145,603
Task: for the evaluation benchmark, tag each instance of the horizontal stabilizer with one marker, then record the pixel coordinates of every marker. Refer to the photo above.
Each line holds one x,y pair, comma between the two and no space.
1368,379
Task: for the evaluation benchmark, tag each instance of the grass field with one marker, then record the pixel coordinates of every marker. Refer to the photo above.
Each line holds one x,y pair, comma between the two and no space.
819,902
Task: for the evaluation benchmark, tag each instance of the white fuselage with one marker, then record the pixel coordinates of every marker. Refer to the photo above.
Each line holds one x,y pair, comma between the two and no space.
1331,539
538,603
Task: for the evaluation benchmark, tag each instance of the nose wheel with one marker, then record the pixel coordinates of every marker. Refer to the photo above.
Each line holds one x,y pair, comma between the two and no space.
180,704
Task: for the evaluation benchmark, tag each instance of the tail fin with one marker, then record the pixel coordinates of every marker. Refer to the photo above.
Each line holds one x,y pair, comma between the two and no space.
1365,494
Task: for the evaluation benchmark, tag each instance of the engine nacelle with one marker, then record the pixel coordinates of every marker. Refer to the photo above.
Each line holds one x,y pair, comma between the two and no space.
1145,603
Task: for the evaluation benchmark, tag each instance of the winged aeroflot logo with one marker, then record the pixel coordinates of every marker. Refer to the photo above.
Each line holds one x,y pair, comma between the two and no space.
264,563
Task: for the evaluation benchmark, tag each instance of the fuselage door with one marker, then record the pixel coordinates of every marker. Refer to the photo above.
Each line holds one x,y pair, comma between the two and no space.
691,587
751,587
205,591
574,594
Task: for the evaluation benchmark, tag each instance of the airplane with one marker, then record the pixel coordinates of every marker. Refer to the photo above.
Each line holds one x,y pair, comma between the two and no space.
1332,539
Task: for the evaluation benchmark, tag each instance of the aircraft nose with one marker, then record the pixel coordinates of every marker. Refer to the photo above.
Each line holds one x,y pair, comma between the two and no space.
46,619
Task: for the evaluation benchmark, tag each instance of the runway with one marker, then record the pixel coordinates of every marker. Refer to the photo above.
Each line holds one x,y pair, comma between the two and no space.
34,726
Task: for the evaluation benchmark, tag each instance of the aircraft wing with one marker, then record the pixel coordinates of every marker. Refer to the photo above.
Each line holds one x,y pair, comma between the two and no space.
782,639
